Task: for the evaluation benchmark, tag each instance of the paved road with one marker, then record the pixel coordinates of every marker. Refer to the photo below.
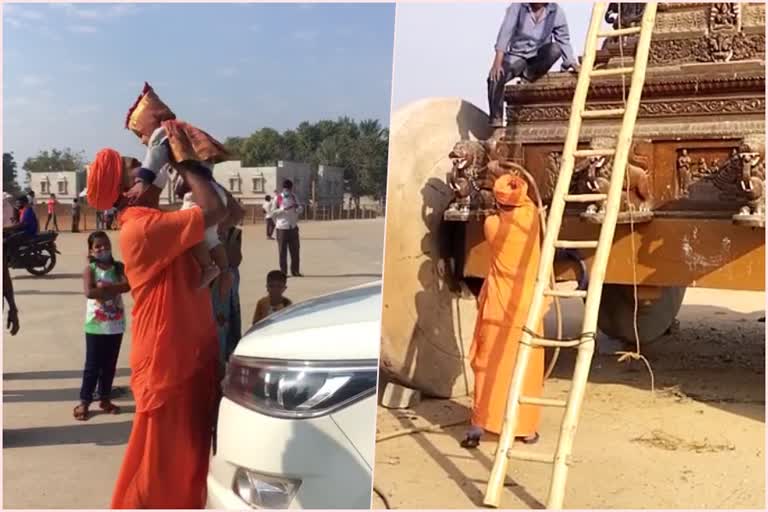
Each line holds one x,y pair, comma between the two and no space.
52,461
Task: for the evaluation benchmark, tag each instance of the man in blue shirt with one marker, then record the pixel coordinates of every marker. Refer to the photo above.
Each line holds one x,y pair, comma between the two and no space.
28,219
532,37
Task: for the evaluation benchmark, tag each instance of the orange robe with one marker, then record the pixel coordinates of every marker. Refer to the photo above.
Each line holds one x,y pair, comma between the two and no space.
173,360
513,240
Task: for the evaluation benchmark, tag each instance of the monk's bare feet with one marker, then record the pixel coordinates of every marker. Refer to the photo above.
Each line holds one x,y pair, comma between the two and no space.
81,412
108,407
210,273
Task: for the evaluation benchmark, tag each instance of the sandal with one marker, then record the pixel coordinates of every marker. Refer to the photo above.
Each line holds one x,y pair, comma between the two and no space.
529,439
108,407
80,412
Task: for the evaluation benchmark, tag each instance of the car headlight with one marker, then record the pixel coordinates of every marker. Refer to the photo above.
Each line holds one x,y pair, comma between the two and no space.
298,389
263,491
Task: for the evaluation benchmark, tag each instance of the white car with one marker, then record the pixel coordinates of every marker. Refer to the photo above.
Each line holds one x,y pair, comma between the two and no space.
297,423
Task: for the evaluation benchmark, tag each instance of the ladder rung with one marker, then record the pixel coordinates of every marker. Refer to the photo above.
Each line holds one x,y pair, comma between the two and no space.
611,71
585,198
545,342
620,32
545,402
576,244
579,153
531,457
596,114
566,293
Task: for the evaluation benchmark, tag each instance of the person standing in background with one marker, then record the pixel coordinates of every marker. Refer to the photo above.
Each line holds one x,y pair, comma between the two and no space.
75,216
9,212
286,215
12,314
274,300
267,208
227,308
104,282
51,203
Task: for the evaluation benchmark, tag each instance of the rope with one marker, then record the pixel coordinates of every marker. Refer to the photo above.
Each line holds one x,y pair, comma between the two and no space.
543,229
583,337
637,354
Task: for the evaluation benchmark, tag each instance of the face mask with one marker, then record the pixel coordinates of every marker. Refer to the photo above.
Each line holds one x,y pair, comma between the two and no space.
104,256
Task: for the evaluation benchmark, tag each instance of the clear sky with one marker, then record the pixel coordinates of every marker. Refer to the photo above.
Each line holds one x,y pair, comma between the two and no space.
445,50
70,72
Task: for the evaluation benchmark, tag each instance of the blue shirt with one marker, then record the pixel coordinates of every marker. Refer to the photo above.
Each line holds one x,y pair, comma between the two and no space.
521,37
28,221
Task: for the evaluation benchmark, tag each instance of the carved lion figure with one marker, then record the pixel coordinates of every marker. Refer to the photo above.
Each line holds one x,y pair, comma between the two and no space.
637,191
470,161
742,177
752,183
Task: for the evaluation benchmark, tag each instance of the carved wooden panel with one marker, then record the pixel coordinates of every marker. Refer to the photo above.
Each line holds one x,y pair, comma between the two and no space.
686,172
543,162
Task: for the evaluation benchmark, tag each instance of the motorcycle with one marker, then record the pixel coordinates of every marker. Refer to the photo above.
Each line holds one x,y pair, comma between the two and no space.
36,255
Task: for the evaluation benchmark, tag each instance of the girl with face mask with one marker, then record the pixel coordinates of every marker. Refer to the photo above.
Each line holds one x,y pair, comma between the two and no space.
104,282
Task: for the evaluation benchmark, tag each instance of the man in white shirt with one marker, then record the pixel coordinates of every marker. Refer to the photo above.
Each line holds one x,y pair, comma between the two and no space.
8,210
286,216
267,208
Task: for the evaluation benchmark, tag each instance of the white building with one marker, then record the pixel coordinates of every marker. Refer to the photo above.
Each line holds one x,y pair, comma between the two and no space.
251,184
65,184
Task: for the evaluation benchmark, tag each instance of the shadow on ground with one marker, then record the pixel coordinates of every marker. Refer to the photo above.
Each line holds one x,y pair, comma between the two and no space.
56,374
102,434
49,277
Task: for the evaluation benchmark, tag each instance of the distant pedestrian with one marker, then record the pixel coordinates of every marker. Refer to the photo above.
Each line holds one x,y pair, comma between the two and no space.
109,218
51,203
9,211
27,217
286,215
75,216
274,301
267,208
104,282
12,313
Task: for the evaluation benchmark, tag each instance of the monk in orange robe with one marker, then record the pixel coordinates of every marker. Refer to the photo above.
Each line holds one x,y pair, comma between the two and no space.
513,239
174,361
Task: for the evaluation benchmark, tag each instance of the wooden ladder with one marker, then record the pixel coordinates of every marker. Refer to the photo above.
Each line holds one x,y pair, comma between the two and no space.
585,342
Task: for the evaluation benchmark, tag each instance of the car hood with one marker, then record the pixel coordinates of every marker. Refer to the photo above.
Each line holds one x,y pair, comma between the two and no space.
344,325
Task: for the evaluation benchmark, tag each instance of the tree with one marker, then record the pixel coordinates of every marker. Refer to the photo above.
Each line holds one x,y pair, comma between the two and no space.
373,166
370,160
360,149
10,183
55,160
234,146
264,147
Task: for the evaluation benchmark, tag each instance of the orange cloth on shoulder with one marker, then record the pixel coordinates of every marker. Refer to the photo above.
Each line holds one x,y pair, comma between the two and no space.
105,174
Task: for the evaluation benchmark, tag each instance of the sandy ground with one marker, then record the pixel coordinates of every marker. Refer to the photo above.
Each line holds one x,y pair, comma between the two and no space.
52,461
698,442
